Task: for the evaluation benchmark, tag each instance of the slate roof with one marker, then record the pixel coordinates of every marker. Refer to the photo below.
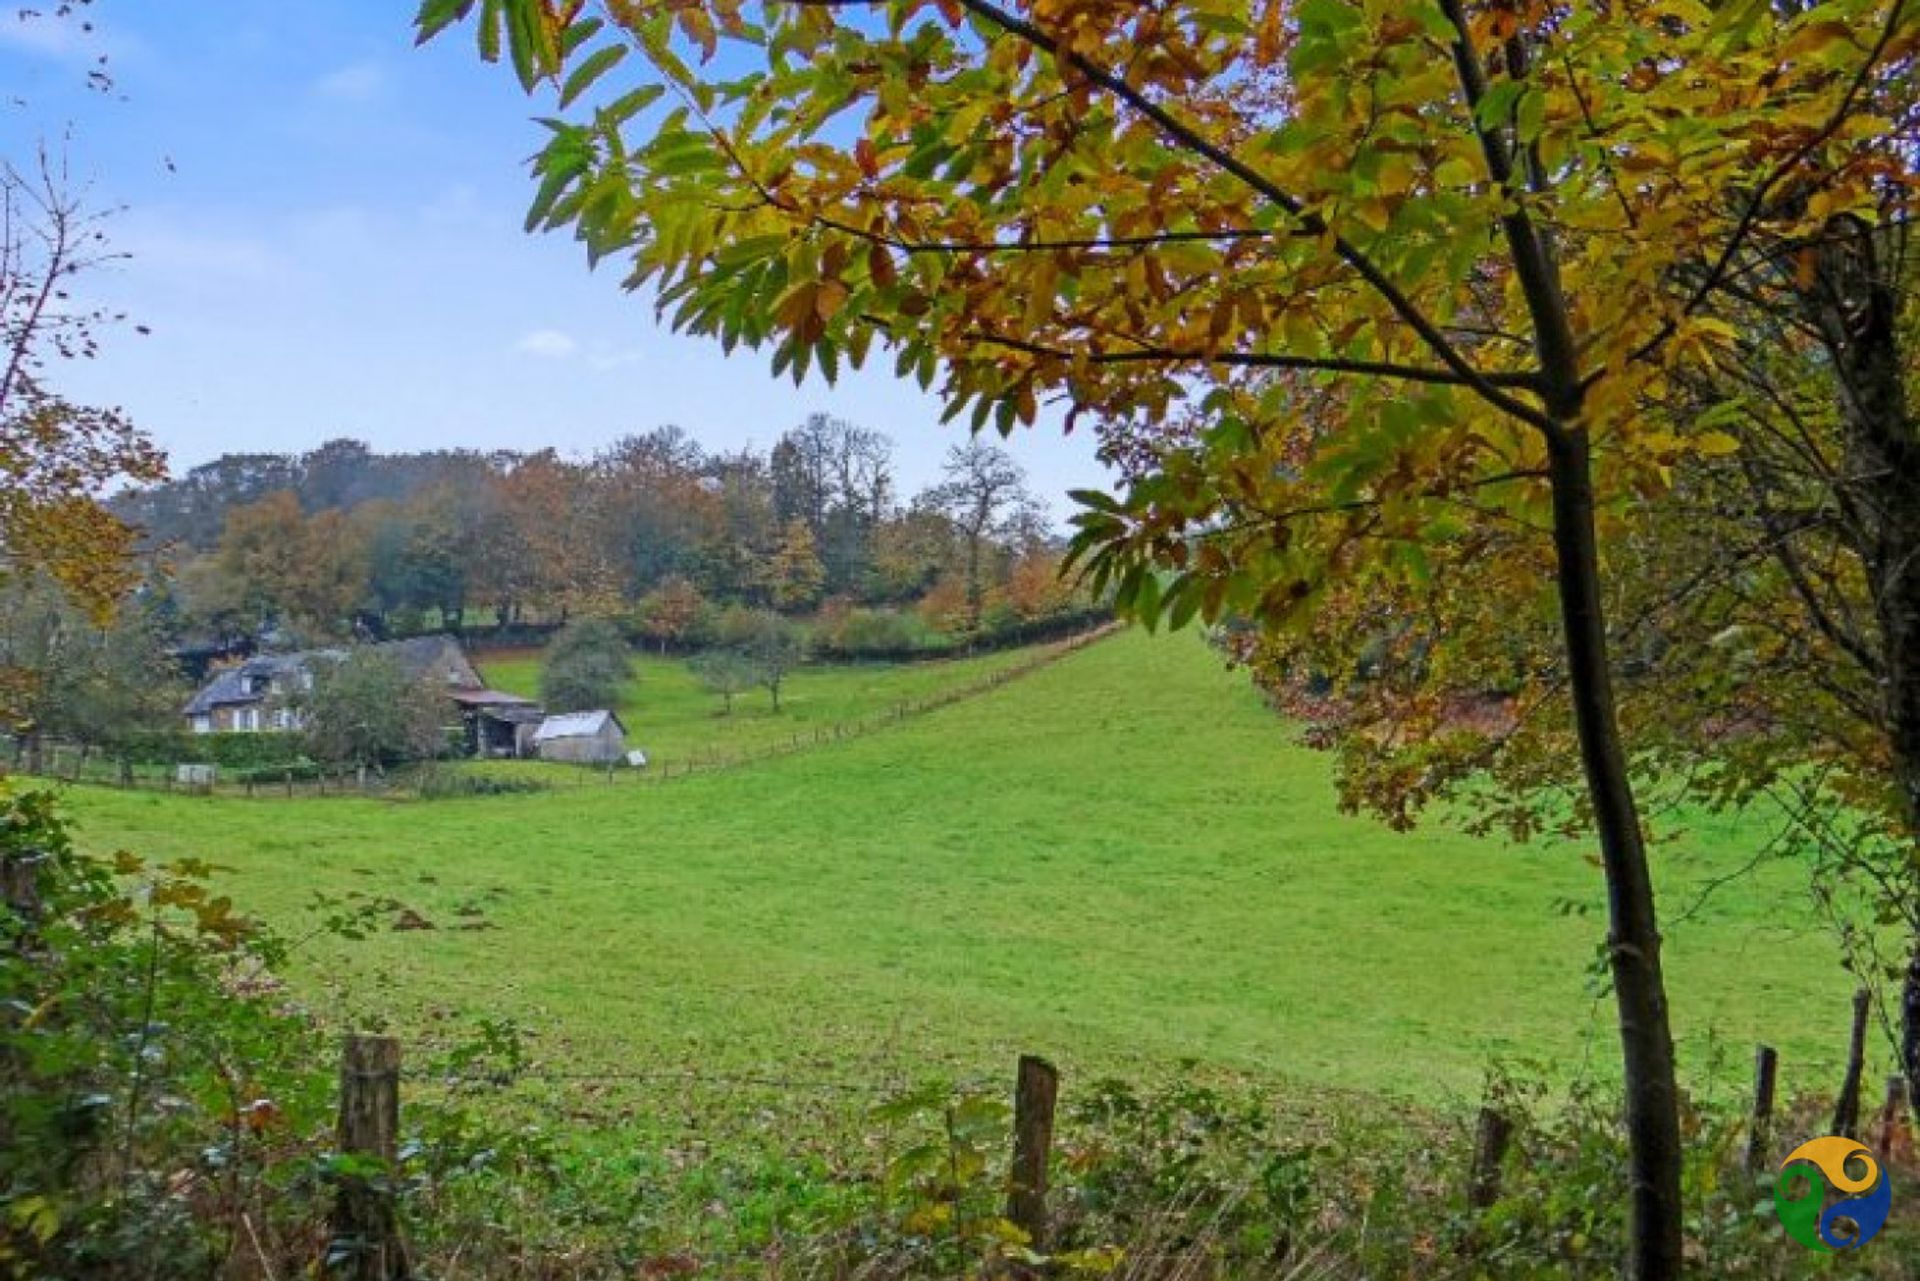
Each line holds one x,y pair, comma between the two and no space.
229,688
415,656
575,725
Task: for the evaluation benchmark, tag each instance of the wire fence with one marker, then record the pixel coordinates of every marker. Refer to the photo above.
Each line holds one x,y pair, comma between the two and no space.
76,763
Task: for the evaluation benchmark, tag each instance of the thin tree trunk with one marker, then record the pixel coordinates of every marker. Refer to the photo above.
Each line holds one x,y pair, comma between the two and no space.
1633,935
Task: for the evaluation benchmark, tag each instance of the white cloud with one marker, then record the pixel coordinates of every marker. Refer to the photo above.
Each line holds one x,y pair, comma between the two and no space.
360,82
549,344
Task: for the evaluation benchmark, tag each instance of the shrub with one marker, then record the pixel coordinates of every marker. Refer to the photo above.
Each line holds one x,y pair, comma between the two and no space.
586,667
157,1093
862,633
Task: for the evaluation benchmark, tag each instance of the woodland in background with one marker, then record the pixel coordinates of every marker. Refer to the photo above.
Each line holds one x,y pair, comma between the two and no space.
653,531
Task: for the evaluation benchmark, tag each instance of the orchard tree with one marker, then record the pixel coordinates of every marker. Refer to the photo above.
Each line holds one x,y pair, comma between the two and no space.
726,672
768,644
1494,228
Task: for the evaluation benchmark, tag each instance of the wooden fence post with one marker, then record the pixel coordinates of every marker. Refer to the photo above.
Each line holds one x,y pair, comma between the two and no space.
20,886
366,1243
1492,1134
1846,1112
1892,1112
1035,1090
1760,1132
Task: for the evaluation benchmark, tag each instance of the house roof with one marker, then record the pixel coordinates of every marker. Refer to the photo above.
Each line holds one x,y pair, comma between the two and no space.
230,687
415,656
575,725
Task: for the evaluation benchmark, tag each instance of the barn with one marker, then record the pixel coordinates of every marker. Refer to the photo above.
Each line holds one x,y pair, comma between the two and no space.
585,738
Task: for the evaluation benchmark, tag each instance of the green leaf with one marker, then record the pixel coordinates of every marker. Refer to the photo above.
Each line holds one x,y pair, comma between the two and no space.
632,103
596,65
491,14
435,16
1530,117
1496,107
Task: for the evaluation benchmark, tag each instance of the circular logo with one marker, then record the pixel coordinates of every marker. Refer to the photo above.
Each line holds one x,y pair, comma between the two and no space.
1819,1170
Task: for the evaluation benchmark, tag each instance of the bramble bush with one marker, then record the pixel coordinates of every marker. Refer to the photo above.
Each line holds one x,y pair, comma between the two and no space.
158,1098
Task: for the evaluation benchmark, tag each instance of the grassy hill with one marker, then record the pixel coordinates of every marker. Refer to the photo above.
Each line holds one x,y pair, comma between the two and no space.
1121,860
672,716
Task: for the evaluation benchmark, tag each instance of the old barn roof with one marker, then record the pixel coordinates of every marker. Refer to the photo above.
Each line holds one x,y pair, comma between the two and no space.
488,698
575,725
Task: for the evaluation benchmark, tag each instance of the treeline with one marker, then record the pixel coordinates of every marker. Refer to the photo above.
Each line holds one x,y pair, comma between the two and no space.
655,531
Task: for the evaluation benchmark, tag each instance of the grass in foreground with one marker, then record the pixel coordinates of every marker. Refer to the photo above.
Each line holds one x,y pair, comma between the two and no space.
1122,861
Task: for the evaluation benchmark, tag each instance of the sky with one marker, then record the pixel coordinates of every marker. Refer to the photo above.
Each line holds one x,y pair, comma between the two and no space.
322,230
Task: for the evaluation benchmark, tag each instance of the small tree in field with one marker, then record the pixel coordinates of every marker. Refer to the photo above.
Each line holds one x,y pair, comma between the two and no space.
586,667
769,644
725,672
366,712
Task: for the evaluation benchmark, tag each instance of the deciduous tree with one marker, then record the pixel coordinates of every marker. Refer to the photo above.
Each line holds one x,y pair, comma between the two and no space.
586,667
726,672
670,612
57,457
364,711
794,574
984,495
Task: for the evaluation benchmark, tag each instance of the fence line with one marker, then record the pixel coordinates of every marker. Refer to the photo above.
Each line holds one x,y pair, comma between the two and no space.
85,766
906,709
367,1242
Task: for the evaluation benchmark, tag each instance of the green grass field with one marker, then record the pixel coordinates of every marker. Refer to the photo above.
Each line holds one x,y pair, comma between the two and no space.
672,717
1121,860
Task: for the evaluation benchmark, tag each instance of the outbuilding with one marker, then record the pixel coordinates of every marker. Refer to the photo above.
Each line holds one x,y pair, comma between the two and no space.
585,738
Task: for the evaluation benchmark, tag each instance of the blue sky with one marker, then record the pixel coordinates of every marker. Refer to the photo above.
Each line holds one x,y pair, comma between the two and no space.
323,226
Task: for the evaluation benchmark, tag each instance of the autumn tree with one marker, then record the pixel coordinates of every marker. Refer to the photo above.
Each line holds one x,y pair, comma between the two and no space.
1036,587
794,575
549,513
657,513
56,457
1494,226
838,478
670,612
286,567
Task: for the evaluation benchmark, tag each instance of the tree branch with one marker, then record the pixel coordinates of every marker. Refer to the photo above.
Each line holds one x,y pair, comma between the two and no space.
1189,138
